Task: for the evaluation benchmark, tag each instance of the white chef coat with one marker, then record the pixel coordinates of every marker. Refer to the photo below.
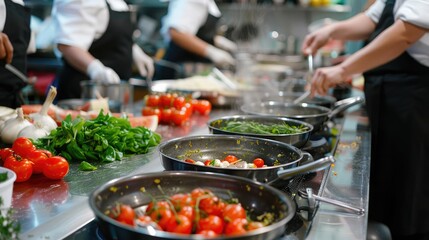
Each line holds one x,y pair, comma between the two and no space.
188,15
79,22
3,12
411,11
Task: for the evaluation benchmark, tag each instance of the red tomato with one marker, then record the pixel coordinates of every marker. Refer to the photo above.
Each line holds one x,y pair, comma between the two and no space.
56,167
235,227
165,100
160,204
203,107
4,153
212,205
197,193
46,152
166,115
152,100
21,166
212,222
22,146
179,102
38,158
162,216
126,215
188,160
181,199
231,158
233,211
188,109
207,233
179,117
179,224
149,111
259,162
188,211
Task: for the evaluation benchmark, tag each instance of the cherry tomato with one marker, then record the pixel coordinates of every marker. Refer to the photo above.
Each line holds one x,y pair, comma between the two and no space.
21,166
179,224
197,193
207,233
259,162
149,111
179,102
188,160
179,117
152,100
212,205
181,199
125,214
4,153
236,226
159,204
203,107
56,167
22,146
231,158
165,100
162,216
166,115
188,211
38,158
233,211
212,222
46,152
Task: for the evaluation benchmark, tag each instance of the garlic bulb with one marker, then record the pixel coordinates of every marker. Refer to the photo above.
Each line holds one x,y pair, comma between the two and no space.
13,126
34,131
48,122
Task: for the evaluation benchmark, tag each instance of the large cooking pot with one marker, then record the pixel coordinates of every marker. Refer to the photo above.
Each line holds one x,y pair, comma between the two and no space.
310,113
282,160
217,126
255,197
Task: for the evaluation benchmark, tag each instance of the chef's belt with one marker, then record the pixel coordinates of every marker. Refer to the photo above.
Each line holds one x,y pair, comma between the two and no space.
177,55
113,49
397,97
17,28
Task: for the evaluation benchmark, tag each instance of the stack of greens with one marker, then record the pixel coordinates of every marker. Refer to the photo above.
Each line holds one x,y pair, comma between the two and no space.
261,128
103,139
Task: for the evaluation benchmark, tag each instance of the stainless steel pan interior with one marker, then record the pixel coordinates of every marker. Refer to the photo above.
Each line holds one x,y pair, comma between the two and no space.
257,199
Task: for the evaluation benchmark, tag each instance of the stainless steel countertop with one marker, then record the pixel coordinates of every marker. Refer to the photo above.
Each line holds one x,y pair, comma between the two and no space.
55,209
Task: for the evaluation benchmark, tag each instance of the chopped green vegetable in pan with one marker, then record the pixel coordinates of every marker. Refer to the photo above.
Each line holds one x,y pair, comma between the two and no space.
260,128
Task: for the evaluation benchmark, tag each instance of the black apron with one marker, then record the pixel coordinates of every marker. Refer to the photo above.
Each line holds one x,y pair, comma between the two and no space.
397,95
17,28
113,49
177,55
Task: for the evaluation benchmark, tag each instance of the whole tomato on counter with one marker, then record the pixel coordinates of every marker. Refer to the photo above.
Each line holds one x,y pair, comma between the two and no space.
55,167
21,166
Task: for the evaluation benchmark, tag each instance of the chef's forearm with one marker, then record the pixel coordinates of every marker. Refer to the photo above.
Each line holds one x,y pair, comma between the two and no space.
77,57
387,46
188,42
358,27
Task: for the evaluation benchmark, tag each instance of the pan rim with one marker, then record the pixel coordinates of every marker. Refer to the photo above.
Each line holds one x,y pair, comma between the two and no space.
324,110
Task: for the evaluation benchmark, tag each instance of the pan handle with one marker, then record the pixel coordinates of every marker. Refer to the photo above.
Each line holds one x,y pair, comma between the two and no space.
344,104
306,168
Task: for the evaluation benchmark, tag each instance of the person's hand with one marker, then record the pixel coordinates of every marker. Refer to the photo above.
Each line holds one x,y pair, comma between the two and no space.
143,62
6,48
101,74
219,56
225,43
314,41
325,78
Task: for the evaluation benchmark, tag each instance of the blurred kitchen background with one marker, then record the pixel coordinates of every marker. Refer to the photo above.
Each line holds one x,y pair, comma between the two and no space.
265,30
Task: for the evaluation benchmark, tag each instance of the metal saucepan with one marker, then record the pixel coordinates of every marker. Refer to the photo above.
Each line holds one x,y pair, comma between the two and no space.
296,139
289,97
282,159
310,113
255,197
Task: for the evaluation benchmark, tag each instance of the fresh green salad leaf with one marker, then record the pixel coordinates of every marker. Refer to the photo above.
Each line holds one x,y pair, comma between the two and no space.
103,139
3,177
86,166
261,128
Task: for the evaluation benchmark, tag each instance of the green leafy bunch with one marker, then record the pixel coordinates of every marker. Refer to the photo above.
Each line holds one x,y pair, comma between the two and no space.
9,228
103,139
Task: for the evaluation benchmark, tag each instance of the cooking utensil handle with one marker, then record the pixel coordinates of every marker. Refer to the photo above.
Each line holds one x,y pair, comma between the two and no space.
344,104
306,168
228,82
17,73
357,210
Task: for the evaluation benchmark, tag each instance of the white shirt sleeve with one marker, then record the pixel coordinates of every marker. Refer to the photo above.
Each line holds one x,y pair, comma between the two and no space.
185,16
79,22
374,12
414,12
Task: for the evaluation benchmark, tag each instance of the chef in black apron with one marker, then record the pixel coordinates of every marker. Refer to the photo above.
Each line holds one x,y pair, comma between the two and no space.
189,29
15,23
95,39
397,95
